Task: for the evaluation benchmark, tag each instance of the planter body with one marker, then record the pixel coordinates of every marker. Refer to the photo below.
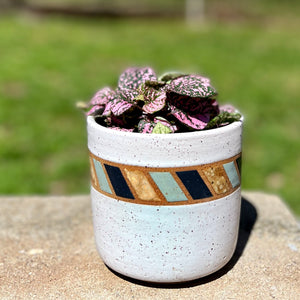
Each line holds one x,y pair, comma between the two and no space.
166,207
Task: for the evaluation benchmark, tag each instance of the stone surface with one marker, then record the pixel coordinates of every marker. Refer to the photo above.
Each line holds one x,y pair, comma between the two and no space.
47,251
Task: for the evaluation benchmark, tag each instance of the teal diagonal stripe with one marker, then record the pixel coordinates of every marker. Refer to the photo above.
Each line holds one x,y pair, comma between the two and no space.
232,174
168,186
103,183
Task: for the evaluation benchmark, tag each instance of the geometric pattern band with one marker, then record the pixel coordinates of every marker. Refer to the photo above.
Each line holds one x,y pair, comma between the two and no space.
166,186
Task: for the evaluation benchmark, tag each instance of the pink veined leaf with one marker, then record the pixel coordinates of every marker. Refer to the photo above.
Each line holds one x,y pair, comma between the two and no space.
127,94
132,78
119,106
186,119
95,109
147,126
102,96
192,86
155,100
107,110
116,106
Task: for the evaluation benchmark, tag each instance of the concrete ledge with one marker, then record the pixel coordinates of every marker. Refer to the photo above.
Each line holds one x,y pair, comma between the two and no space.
47,251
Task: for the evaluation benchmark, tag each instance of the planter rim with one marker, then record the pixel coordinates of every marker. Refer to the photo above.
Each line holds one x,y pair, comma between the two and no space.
91,122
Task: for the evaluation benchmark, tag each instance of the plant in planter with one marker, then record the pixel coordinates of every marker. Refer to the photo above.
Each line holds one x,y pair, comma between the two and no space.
172,103
165,206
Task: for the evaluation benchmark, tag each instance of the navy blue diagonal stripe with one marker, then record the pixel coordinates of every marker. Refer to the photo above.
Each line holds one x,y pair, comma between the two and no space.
118,182
194,184
239,164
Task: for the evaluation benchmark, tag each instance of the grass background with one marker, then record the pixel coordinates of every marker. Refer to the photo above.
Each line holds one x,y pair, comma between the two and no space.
47,64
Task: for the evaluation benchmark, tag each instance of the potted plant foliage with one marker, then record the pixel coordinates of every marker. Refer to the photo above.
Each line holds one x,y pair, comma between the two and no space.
165,176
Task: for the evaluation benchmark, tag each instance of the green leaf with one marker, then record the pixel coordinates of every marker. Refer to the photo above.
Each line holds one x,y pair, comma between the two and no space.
222,119
160,128
170,76
154,83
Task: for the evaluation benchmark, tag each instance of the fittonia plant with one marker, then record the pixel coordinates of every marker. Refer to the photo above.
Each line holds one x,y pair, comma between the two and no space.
174,102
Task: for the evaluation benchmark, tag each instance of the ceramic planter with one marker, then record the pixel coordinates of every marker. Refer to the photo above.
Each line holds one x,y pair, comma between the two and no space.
166,207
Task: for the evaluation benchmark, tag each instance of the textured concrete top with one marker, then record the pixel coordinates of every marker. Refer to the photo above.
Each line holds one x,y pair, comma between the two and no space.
47,251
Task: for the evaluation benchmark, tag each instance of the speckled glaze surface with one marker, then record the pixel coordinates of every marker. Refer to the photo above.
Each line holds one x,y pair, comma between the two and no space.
173,241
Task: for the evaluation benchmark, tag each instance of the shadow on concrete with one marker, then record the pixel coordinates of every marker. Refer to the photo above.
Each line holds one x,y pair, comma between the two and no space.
247,221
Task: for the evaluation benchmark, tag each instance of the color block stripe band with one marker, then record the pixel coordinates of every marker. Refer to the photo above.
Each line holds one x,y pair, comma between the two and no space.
166,186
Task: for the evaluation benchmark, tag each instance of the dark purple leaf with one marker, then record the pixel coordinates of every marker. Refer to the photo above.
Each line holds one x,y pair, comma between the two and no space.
186,119
117,121
204,117
193,105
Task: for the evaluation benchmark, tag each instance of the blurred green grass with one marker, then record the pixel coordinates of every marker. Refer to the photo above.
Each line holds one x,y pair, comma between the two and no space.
46,65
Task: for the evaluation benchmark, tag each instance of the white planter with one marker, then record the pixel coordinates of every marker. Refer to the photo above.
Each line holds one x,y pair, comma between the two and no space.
166,207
